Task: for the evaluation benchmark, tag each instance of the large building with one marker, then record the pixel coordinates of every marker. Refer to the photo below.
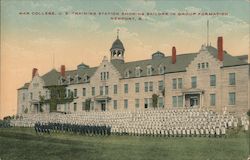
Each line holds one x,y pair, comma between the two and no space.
210,78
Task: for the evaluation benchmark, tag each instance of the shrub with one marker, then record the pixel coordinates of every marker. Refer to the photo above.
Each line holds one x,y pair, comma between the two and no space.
26,110
248,113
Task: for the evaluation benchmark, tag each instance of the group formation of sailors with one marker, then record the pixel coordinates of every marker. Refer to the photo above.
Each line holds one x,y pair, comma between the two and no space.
155,122
173,132
72,128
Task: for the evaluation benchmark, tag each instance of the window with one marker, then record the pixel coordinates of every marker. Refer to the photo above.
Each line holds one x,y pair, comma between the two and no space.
127,74
106,90
161,70
69,79
231,98
84,92
174,83
199,66
125,88
115,104
137,71
146,86
151,86
92,105
75,92
101,90
137,103
115,89
93,91
75,106
83,106
77,78
160,102
150,102
207,65
212,99
160,85
69,93
149,70
107,75
179,83
212,80
137,87
125,103
174,101
146,103
202,65
180,101
194,82
104,75
31,95
231,78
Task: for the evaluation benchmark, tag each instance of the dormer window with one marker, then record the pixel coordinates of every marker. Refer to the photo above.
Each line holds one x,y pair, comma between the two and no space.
138,71
161,70
62,80
127,74
69,79
149,70
77,78
86,78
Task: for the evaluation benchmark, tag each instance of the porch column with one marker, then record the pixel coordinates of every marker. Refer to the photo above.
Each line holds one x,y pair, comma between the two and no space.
184,100
201,100
38,108
106,105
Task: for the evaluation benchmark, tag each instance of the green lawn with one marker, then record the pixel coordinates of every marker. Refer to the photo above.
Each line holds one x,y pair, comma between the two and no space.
23,143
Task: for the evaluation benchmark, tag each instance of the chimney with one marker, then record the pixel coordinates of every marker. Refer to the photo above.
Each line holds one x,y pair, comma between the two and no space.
220,48
173,55
34,71
63,70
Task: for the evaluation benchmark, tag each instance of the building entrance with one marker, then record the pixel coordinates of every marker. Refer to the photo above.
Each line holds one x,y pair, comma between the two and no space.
103,106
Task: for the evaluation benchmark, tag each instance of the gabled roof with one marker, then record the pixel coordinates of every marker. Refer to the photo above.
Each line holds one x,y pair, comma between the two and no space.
228,60
25,86
182,62
51,78
243,57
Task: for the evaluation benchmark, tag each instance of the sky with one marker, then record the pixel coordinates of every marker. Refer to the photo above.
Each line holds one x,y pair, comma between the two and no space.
30,41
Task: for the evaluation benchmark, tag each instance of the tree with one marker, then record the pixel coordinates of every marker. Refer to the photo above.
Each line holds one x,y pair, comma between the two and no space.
248,113
26,110
155,100
57,96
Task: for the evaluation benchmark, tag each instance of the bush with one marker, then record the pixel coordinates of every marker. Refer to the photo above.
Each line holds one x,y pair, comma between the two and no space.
248,113
26,110
4,123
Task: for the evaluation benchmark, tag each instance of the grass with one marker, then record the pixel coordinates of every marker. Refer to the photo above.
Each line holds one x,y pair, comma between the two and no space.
23,143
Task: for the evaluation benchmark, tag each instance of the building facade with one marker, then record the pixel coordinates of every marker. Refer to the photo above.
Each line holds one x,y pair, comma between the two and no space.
210,78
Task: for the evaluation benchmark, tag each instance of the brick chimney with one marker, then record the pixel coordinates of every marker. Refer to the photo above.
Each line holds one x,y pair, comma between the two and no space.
220,48
63,70
34,71
173,55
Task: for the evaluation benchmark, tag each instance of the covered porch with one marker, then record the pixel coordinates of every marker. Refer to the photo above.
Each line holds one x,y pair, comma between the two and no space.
35,106
193,98
101,102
